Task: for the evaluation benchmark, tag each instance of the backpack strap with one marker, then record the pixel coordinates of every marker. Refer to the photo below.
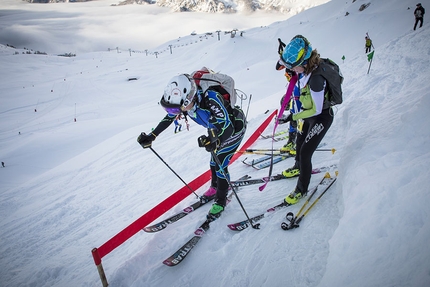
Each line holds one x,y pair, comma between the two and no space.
320,71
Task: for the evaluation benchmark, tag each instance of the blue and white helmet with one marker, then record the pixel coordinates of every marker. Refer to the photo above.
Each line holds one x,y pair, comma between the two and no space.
296,52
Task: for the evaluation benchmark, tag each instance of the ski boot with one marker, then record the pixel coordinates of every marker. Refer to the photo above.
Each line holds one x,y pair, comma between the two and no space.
215,211
292,171
208,195
293,197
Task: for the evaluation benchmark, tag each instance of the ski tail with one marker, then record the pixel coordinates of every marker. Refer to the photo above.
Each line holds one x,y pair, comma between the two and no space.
174,218
242,225
182,252
294,221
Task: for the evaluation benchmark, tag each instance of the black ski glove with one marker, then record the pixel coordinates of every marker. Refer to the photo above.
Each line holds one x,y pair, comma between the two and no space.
210,142
285,120
145,140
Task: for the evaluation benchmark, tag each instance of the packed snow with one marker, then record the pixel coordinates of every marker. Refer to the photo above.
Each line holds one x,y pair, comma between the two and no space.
69,186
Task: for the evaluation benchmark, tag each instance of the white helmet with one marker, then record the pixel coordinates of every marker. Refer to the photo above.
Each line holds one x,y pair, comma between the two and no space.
179,93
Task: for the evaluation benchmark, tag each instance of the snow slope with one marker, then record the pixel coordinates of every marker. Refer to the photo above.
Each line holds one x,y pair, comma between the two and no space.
70,186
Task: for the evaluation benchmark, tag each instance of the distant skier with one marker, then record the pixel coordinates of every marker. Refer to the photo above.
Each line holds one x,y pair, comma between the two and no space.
2,164
210,108
368,44
419,15
178,125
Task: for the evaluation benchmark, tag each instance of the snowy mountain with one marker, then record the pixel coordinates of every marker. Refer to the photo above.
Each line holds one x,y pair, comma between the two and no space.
291,7
69,186
56,1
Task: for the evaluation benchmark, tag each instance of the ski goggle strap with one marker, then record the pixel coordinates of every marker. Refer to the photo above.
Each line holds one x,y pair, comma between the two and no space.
190,97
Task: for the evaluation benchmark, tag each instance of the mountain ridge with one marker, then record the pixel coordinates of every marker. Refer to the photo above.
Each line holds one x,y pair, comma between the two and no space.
216,6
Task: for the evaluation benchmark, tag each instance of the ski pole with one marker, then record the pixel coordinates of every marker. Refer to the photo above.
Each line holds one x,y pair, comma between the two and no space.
256,226
173,170
333,150
316,200
262,151
247,109
294,223
241,95
295,220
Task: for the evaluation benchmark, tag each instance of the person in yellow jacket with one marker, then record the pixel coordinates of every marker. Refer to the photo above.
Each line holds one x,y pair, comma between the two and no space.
368,44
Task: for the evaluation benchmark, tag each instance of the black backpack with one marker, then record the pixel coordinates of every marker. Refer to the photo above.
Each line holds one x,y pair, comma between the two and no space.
332,74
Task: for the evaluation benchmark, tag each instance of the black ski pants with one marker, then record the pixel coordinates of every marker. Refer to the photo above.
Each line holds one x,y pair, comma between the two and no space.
224,153
418,20
313,131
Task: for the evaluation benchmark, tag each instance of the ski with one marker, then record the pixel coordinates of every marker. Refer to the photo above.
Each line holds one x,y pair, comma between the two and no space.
269,136
276,160
239,183
264,151
163,224
294,221
182,252
256,161
172,219
185,249
264,161
280,138
246,182
279,151
241,225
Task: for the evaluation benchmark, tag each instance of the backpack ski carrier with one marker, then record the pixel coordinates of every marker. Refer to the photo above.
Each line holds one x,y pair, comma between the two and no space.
332,74
222,83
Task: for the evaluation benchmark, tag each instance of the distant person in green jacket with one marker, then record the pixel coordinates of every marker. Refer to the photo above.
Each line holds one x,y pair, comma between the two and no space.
368,44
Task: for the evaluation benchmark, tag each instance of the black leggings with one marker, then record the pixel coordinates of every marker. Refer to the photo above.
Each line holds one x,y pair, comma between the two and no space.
418,20
307,141
224,153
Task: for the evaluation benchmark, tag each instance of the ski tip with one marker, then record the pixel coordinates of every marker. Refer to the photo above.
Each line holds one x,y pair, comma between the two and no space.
232,227
239,226
327,175
154,228
336,172
169,263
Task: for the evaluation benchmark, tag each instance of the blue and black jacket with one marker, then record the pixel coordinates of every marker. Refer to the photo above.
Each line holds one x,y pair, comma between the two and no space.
211,111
